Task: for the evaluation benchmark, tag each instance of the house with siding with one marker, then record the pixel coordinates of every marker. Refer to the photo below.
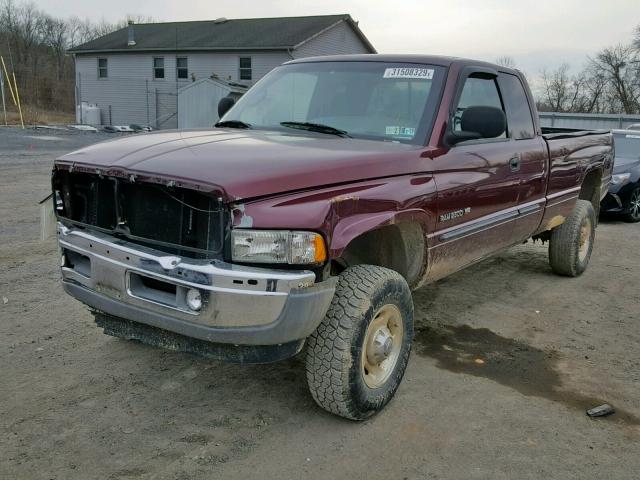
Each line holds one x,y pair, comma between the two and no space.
135,74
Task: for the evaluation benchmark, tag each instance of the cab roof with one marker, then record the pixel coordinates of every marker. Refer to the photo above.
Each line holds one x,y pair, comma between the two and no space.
444,61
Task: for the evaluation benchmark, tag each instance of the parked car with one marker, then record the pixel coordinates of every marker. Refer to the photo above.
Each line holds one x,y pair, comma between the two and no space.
328,192
634,126
624,192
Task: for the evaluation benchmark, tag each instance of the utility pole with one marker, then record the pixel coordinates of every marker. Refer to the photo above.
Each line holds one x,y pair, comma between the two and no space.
4,105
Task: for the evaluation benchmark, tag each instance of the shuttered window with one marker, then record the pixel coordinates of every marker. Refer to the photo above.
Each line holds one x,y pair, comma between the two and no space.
182,67
245,68
158,68
102,68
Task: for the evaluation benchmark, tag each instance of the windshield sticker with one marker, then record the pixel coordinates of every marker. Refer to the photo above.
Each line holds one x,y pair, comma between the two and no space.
419,73
627,136
403,131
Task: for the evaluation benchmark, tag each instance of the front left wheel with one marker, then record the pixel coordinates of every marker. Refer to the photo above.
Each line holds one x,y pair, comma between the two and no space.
357,356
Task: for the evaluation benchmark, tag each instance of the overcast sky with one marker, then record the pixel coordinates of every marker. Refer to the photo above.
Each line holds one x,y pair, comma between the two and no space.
535,33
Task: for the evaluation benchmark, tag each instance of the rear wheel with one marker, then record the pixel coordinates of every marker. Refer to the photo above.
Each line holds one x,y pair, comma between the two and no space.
633,208
571,243
357,356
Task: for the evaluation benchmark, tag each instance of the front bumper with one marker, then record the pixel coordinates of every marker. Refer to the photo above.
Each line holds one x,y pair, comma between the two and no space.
241,305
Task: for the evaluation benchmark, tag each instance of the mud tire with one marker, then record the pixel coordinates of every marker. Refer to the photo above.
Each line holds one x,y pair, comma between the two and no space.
333,363
568,254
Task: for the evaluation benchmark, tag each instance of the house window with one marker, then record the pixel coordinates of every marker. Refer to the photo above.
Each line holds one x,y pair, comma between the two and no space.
158,68
245,68
102,68
182,68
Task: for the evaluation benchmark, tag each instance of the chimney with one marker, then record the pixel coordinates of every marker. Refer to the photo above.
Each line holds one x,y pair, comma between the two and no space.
131,41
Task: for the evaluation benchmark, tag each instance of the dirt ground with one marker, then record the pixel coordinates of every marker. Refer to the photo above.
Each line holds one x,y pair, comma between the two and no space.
506,360
36,116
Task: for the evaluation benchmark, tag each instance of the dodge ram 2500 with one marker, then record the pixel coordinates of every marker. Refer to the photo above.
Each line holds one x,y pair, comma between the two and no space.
328,192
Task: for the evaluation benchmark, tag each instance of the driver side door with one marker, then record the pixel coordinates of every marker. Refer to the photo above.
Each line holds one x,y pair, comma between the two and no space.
478,184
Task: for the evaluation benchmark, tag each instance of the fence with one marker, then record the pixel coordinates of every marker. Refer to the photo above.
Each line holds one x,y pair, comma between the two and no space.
125,100
593,121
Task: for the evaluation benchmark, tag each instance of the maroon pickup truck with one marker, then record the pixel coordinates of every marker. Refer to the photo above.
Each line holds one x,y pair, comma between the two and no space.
328,192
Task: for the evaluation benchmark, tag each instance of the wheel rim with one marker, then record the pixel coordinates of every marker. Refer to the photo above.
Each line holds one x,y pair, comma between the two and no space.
382,345
634,204
585,240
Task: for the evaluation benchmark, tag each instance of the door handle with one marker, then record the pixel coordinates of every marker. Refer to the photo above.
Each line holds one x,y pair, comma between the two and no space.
514,164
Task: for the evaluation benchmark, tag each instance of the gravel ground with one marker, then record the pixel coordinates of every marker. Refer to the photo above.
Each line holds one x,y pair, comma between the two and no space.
507,358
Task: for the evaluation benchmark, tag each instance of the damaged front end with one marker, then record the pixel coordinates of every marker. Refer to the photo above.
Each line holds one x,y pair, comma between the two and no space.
149,260
169,218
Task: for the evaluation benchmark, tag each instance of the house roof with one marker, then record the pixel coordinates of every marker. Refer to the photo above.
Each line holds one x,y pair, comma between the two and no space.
242,34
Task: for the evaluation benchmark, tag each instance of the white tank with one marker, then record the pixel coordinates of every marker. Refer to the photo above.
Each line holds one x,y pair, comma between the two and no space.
88,114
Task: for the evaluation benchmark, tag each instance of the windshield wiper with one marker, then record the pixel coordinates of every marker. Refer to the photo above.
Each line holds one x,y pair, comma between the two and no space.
233,124
316,127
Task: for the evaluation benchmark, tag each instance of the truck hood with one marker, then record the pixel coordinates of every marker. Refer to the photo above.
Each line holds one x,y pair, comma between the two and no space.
242,164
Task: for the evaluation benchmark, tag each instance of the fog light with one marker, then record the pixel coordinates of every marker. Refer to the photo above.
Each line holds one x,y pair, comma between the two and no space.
63,260
194,299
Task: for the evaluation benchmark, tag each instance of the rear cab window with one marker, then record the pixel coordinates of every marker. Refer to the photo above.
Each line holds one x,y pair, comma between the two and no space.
519,118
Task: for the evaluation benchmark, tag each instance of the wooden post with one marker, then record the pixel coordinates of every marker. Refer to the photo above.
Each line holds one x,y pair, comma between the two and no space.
4,106
15,85
4,66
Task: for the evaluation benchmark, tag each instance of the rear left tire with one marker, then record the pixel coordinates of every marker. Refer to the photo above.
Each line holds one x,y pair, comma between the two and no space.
571,243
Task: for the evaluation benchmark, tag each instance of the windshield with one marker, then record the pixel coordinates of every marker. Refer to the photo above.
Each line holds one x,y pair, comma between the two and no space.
376,100
627,145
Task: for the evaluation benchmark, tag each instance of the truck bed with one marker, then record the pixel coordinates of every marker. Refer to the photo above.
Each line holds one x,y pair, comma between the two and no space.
553,133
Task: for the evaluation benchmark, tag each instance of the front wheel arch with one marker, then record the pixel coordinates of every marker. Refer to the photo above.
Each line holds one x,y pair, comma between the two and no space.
400,247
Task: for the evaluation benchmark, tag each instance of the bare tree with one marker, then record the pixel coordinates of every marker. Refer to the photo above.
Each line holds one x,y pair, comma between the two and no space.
620,66
83,31
506,61
556,88
56,37
595,86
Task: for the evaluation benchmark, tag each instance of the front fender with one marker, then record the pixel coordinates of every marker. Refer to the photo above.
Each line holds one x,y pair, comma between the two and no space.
343,213
350,228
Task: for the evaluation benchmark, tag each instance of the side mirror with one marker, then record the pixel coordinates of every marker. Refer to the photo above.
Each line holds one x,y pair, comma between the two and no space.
224,105
479,122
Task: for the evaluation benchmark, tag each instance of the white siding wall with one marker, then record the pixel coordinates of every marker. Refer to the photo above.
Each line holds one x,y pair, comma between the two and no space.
136,97
227,66
338,40
130,94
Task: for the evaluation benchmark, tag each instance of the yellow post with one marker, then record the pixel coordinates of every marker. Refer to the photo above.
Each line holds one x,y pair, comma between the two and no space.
15,84
13,97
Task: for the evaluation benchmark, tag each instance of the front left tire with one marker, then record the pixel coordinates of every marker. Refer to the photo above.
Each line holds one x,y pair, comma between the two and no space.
358,355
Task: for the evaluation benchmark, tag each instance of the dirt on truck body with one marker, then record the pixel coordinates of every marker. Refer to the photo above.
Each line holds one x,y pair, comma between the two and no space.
327,193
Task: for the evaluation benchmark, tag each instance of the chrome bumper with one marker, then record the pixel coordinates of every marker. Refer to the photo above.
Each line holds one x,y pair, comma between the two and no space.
240,305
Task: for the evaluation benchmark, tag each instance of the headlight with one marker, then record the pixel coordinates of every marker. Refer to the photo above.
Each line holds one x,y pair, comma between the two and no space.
620,179
277,246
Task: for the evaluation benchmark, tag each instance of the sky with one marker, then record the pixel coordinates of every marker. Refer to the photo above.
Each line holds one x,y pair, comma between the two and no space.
536,34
